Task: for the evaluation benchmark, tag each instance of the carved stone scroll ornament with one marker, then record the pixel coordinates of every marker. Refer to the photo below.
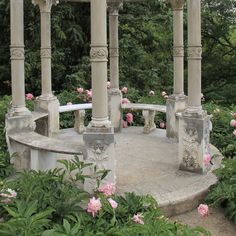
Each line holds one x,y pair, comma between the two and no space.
46,53
190,155
177,4
98,53
178,51
45,5
113,6
17,53
195,52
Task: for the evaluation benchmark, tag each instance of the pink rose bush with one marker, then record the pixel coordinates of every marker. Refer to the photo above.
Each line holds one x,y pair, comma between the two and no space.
233,123
124,90
113,203
138,219
94,206
162,125
129,118
80,90
207,159
203,210
29,96
7,195
125,101
107,189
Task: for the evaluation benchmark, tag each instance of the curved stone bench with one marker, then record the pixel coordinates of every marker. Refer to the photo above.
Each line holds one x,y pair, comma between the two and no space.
43,149
148,111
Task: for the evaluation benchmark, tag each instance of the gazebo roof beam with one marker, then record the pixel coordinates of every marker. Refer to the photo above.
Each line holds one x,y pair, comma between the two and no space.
107,0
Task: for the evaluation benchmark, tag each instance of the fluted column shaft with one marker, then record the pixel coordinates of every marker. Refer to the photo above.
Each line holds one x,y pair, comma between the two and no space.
98,55
46,73
17,57
194,55
178,48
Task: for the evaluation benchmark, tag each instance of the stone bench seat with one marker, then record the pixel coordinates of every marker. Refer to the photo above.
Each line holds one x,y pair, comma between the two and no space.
148,111
43,149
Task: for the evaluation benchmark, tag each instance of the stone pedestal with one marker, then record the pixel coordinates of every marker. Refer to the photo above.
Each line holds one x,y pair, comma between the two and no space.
100,144
20,154
174,104
194,132
114,104
51,106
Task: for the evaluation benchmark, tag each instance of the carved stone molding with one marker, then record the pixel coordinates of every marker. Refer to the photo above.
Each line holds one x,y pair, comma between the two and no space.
177,4
191,146
98,53
45,5
195,52
17,53
178,51
46,53
114,52
114,6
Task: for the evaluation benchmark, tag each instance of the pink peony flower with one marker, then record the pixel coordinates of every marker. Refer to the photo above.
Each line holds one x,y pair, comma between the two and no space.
29,96
163,93
89,93
138,219
151,93
233,123
129,117
162,125
125,101
94,206
108,84
203,210
10,193
234,133
207,159
80,90
124,90
69,103
124,124
108,189
113,203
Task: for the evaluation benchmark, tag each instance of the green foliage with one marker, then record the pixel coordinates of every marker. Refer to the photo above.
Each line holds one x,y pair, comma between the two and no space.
222,134
25,221
224,193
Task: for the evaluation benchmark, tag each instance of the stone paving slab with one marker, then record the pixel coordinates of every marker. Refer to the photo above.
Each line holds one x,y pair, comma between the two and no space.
148,164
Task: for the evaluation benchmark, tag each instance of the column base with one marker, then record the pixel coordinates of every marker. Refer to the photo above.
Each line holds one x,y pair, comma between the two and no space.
99,123
19,111
175,103
20,154
114,107
100,144
50,105
194,135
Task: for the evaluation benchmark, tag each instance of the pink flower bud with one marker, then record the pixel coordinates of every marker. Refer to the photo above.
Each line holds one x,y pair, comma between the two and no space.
203,210
233,123
124,90
113,203
80,90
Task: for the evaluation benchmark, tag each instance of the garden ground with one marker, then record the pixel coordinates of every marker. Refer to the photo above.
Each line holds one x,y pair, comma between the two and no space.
216,222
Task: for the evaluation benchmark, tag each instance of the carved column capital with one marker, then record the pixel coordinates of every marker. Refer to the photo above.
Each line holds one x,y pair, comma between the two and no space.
113,6
194,52
98,53
45,5
177,4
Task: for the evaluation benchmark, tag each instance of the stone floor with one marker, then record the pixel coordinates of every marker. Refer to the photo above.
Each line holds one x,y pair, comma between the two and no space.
148,164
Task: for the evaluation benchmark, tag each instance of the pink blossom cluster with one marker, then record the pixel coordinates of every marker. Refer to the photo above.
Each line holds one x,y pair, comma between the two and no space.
29,96
7,195
94,206
138,218
203,210
124,90
207,159
107,189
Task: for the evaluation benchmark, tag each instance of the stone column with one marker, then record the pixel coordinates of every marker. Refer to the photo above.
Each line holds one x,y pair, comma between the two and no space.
99,135
115,95
177,101
194,123
47,101
17,59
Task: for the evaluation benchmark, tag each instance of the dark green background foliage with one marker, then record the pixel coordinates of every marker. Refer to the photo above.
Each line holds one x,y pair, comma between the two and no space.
145,47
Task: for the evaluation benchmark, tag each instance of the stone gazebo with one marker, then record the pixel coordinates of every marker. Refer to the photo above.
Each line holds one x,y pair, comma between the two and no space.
36,140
